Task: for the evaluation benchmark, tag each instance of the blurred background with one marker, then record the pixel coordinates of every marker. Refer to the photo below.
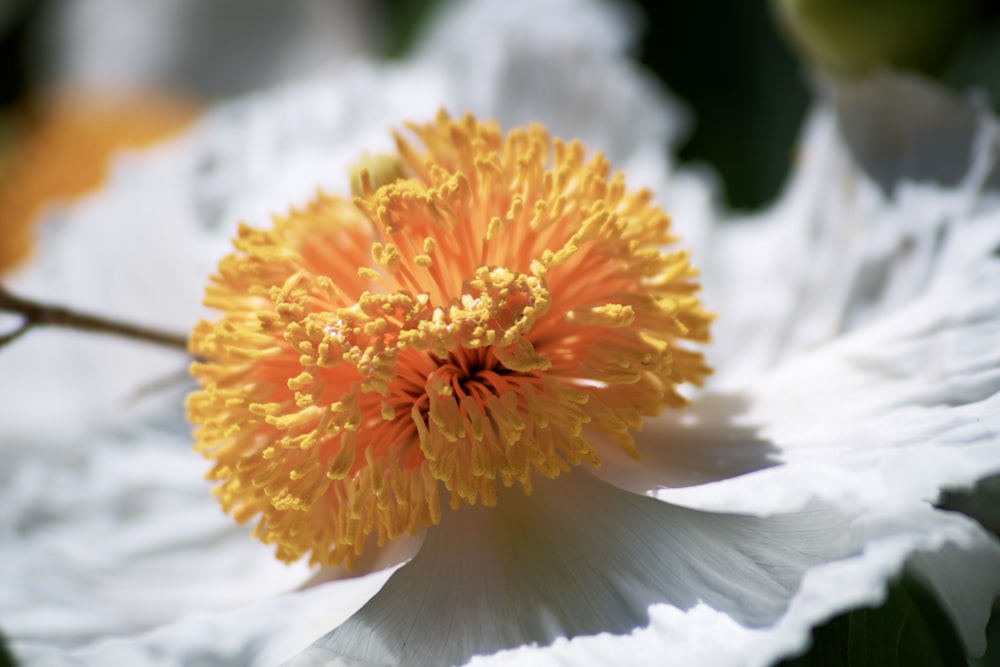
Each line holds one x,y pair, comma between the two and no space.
736,63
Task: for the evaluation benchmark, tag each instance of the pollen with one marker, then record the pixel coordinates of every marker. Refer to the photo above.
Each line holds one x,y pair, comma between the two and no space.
482,310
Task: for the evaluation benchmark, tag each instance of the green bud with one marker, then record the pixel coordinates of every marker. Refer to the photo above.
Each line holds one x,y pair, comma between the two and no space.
852,37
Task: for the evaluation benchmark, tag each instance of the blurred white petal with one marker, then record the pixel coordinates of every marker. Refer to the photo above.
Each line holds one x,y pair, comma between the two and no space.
572,75
901,127
836,251
458,28
120,536
207,49
135,255
258,635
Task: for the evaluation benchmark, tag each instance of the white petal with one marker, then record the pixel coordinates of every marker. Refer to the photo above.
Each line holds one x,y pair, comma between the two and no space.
561,63
265,154
702,635
890,368
260,635
657,584
458,28
134,253
902,407
119,536
664,582
836,251
614,108
902,127
198,47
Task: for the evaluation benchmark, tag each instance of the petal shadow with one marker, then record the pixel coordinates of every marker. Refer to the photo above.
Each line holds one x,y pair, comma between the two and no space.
706,442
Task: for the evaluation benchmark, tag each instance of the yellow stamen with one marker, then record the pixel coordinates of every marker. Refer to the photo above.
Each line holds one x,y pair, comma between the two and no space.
482,308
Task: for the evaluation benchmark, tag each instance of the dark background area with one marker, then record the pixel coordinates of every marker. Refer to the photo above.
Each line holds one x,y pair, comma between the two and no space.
747,90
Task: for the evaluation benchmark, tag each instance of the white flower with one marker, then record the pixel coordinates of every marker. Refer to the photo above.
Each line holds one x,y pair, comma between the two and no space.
857,377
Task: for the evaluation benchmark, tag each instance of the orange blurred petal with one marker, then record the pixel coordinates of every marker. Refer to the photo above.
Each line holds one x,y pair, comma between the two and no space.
65,151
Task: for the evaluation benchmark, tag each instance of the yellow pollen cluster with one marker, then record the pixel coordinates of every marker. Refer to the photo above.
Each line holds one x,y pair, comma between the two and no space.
484,306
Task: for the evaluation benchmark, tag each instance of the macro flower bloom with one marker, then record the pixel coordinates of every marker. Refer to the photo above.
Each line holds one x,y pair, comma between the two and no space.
855,378
492,302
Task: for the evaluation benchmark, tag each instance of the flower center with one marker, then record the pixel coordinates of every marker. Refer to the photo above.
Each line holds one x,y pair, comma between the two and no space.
484,307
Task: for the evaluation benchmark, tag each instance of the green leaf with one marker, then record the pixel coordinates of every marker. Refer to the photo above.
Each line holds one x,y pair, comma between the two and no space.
402,21
910,629
6,659
982,503
857,36
992,656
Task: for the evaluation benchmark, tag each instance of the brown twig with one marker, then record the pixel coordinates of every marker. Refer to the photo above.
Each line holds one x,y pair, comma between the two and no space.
38,315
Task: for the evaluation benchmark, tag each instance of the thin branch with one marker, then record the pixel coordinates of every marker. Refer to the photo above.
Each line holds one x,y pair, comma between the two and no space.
43,315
